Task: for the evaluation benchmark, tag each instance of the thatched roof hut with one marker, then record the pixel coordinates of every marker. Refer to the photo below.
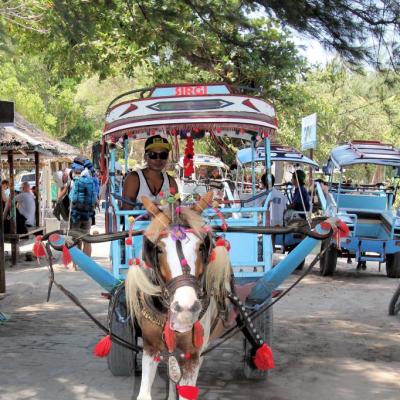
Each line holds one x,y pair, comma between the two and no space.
25,139
24,146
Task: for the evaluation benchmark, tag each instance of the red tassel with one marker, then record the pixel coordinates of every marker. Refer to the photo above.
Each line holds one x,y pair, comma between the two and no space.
213,256
38,247
198,334
103,347
66,256
188,392
169,337
343,229
264,359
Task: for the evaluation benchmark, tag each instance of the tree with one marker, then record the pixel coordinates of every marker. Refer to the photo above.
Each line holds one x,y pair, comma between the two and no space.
349,106
227,37
174,38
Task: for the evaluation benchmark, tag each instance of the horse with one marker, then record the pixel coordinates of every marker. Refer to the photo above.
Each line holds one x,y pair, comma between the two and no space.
178,294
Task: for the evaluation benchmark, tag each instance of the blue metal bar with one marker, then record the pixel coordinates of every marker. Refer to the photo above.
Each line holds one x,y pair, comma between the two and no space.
275,276
100,275
104,278
321,196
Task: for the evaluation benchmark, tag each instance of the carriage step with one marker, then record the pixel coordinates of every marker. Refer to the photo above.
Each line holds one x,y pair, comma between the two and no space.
378,258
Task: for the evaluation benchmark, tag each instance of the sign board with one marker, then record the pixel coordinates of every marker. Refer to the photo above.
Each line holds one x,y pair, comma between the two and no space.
188,90
309,132
6,113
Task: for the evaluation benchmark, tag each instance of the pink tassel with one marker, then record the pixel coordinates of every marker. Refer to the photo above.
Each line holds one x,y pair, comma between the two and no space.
198,334
103,347
264,359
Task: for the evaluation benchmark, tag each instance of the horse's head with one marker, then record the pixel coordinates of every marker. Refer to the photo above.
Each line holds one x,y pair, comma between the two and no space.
179,252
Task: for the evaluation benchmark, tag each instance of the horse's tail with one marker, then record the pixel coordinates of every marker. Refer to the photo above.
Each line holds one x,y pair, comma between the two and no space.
137,281
218,274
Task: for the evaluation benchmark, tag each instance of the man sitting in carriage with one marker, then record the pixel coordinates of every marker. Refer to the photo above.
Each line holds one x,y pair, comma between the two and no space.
152,180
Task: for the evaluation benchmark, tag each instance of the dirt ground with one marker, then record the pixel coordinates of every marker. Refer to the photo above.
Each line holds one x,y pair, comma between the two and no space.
333,339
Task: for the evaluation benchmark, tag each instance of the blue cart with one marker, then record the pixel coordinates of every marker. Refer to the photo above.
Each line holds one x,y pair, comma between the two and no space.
284,161
367,208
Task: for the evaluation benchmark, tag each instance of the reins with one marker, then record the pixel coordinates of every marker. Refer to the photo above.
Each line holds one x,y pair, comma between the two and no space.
228,334
75,236
75,300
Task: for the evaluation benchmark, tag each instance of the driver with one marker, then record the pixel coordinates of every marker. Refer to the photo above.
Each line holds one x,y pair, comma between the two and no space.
151,180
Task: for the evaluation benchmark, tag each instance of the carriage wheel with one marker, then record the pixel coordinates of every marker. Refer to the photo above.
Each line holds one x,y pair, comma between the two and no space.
263,324
394,306
328,261
393,265
121,361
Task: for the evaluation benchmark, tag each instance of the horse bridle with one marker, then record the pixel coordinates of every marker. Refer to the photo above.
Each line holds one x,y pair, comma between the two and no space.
186,279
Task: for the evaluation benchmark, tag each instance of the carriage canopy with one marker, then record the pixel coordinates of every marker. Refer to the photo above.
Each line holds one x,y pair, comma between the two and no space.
365,152
185,110
278,153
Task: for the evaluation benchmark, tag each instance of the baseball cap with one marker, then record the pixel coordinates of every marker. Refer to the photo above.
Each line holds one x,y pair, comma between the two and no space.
156,141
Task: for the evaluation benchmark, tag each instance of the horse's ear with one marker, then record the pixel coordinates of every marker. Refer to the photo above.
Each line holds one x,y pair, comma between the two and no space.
162,218
150,206
204,202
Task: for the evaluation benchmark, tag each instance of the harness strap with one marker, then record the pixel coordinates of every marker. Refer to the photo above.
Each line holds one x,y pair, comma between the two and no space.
75,300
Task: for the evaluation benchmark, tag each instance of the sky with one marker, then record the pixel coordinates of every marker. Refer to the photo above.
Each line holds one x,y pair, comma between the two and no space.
312,50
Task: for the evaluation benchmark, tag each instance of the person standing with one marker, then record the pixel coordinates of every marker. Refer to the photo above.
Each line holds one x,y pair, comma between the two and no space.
83,198
5,186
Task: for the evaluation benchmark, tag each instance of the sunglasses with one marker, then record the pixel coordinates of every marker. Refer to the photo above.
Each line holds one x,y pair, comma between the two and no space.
153,155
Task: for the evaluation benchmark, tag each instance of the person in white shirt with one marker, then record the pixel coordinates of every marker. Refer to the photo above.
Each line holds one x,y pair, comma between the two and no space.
152,180
277,203
26,204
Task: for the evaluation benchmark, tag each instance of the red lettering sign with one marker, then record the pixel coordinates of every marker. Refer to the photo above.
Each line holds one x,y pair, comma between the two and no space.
190,90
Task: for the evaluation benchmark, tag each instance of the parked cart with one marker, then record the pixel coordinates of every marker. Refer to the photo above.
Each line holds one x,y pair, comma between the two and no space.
367,208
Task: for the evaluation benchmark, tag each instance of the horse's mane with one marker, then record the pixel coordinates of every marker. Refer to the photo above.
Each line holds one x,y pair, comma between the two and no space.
218,270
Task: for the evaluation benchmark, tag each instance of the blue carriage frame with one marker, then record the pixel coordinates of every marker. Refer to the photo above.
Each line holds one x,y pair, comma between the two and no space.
367,210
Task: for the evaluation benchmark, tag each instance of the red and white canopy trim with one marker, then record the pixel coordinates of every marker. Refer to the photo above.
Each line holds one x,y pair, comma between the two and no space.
182,115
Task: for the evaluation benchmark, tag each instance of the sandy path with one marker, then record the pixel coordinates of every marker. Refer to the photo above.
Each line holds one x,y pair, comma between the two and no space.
333,339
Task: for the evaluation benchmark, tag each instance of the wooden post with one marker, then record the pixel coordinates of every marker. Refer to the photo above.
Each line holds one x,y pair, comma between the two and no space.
2,260
13,213
37,189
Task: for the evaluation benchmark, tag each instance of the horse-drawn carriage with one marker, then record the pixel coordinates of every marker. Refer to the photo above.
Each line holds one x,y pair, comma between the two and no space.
285,160
363,182
179,276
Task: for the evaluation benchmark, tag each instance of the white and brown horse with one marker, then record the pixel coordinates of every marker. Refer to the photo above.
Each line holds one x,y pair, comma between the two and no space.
177,294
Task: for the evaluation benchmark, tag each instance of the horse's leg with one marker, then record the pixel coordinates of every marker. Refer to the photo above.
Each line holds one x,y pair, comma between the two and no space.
149,369
190,379
171,390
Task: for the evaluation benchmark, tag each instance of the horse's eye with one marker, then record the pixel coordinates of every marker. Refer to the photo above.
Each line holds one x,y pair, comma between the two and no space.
176,307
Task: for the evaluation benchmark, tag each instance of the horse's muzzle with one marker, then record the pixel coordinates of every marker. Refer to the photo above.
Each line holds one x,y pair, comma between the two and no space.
182,319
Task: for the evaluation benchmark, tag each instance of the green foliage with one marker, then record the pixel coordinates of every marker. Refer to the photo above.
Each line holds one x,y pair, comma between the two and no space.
53,109
349,106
